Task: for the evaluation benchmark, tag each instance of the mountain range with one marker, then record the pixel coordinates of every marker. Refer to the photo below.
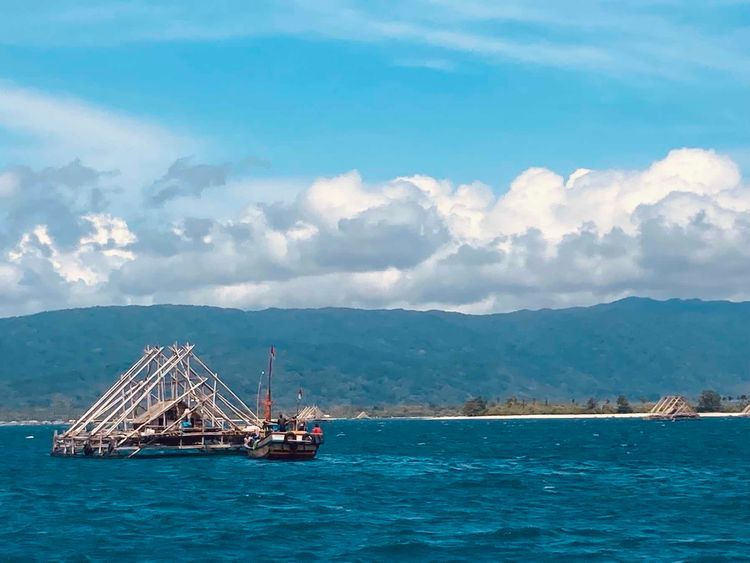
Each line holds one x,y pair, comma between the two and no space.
62,360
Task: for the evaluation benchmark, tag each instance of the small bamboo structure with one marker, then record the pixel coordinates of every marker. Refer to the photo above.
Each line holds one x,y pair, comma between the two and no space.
311,412
672,407
746,410
169,401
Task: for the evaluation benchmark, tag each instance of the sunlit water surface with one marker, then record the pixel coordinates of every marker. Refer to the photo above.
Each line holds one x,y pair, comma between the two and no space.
390,490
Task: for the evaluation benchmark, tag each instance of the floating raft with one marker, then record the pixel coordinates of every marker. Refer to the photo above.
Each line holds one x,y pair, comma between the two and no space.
672,407
168,402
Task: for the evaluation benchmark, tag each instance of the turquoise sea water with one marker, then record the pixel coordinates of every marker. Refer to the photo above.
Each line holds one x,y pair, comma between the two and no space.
397,490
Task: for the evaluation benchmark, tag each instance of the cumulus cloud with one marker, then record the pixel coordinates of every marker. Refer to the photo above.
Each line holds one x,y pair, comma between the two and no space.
57,198
679,227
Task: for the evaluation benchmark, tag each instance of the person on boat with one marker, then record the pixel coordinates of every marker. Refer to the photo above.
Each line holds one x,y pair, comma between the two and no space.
317,429
301,425
254,435
282,422
251,439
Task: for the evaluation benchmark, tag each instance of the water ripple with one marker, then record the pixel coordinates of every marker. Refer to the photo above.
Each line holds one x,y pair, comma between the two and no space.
397,490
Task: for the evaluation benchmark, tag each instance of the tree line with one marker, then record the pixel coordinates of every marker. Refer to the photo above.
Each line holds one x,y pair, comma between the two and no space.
708,401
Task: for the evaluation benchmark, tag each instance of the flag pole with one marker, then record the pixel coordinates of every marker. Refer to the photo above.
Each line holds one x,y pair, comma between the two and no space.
269,402
257,400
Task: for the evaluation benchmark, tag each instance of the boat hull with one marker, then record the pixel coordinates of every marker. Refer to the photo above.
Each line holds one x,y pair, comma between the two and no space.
292,446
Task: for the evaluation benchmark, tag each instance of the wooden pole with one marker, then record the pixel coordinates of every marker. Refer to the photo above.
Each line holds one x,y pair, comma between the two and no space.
215,375
269,402
166,407
121,383
260,384
164,368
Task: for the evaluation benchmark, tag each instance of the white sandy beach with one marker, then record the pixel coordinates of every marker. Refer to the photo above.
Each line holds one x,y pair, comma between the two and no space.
569,416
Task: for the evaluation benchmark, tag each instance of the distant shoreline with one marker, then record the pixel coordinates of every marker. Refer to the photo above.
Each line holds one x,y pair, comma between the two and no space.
35,422
568,416
457,417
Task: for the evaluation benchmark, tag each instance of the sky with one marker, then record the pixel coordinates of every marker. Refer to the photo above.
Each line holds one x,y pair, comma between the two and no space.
428,154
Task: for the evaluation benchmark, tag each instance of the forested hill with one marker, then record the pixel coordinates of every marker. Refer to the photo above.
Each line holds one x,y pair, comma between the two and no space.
638,347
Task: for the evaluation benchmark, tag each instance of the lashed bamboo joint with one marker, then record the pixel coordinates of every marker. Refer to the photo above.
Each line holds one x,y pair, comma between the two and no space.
672,407
169,401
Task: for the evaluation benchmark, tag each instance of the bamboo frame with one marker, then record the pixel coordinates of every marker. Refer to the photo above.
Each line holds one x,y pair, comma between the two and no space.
311,412
161,390
672,407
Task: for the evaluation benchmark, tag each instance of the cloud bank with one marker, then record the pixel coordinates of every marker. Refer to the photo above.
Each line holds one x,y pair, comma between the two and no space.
678,228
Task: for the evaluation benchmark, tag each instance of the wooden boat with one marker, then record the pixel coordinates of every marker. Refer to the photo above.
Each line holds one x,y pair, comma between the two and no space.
282,439
294,445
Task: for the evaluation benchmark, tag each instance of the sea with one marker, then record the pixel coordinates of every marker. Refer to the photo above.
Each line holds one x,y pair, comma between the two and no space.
397,490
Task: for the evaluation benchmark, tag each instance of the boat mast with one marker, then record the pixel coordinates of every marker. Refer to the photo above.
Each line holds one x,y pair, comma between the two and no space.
269,403
260,384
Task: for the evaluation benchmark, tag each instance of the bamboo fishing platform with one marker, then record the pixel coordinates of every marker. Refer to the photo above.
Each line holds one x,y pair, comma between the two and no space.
672,407
168,402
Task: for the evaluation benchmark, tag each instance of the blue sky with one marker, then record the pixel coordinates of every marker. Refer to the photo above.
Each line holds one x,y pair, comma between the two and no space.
474,156
321,101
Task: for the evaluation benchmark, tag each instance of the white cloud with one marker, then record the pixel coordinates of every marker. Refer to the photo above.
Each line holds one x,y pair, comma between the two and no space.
53,130
626,37
441,65
680,227
91,260
108,230
8,184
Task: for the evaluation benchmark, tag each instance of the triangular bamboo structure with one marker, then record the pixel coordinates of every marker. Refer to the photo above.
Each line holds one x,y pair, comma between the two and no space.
672,407
746,410
167,400
311,412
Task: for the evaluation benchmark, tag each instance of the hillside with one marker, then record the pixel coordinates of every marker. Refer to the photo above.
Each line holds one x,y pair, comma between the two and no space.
64,359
